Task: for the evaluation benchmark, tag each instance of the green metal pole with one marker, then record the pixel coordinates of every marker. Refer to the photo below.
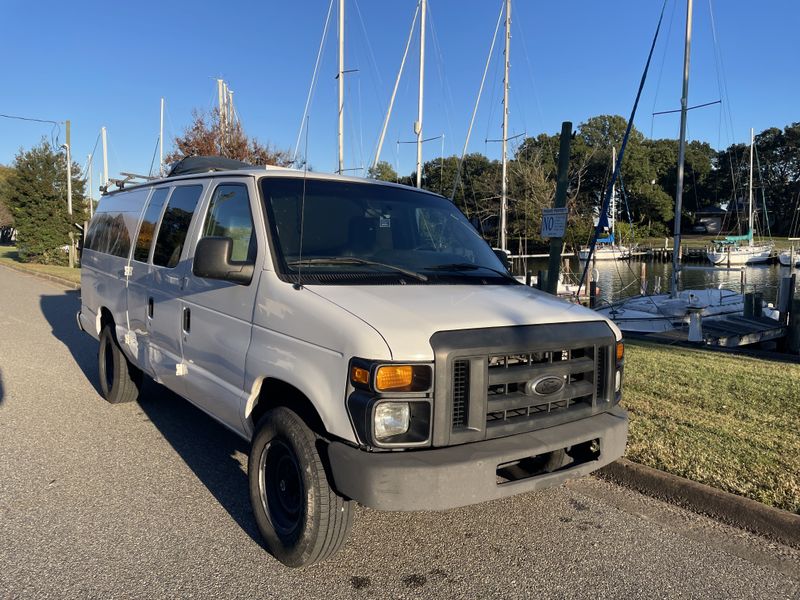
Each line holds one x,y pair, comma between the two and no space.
556,244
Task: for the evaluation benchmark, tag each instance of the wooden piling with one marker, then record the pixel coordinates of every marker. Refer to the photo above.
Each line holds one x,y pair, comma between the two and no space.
793,335
643,278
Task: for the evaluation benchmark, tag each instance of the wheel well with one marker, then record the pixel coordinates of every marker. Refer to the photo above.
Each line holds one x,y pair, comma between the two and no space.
275,393
106,318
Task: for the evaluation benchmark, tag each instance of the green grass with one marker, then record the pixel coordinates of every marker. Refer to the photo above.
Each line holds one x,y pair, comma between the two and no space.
10,256
732,422
702,241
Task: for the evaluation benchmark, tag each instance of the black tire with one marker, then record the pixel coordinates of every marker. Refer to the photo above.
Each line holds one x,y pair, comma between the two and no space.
301,518
120,381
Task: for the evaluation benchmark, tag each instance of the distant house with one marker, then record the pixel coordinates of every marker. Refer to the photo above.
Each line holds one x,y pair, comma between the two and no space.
709,219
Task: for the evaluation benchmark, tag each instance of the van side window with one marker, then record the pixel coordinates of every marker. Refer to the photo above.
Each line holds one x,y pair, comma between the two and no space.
148,227
175,225
229,216
114,222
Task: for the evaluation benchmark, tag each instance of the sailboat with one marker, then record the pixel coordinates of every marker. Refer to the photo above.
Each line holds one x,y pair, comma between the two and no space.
667,312
607,247
790,258
730,250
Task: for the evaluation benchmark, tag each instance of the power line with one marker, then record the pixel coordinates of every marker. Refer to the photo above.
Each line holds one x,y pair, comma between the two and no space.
31,119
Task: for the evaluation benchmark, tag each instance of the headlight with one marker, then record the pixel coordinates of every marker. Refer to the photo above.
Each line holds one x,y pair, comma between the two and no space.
391,419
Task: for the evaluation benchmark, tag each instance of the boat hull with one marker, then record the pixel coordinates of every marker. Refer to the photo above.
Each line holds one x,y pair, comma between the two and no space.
748,255
785,259
660,313
605,253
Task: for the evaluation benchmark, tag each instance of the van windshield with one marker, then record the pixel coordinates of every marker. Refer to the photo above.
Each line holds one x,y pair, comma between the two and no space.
346,232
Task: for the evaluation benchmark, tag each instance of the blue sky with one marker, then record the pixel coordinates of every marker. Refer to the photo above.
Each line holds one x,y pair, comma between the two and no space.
108,63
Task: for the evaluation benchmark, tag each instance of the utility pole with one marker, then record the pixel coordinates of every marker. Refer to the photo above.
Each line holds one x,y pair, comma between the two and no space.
676,245
105,158
750,193
562,185
69,199
504,193
161,142
340,76
418,124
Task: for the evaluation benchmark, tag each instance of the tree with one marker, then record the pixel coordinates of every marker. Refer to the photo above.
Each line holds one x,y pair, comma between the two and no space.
383,171
37,196
6,217
205,137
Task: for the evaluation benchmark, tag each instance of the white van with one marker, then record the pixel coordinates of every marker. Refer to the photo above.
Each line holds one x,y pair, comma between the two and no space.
362,336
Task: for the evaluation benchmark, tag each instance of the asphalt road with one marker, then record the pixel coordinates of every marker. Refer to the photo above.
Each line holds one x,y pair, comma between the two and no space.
150,500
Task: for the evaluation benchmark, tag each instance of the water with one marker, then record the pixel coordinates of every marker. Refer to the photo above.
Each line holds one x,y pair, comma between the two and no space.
620,279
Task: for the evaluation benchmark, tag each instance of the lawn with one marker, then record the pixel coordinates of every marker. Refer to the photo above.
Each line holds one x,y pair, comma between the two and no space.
702,241
729,421
9,256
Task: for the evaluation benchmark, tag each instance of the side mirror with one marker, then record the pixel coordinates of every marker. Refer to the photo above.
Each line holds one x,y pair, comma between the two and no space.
212,260
503,256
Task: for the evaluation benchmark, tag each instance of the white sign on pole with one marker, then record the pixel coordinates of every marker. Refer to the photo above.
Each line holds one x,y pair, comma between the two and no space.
554,222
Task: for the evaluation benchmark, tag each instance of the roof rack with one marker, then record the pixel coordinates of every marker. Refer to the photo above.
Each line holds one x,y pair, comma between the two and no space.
132,178
203,164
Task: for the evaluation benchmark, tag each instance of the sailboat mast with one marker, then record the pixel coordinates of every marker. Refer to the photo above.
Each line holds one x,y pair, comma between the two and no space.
161,141
105,156
750,193
340,170
613,195
418,124
676,250
504,193
91,202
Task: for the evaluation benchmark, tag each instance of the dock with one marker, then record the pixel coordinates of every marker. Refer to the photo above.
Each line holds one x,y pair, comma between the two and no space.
730,331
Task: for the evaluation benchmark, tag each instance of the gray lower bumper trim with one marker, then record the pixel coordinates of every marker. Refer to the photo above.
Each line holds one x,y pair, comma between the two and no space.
455,476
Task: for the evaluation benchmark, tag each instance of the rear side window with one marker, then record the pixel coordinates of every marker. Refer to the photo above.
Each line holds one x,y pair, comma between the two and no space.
148,226
175,225
229,216
114,223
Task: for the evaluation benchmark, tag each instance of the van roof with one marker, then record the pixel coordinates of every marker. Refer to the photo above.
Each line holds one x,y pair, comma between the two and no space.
268,170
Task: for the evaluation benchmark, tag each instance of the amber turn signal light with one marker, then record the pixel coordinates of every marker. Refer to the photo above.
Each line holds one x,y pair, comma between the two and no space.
359,375
394,378
620,351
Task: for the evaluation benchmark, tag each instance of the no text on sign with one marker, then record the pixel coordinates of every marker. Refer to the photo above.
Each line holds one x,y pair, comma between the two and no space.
554,222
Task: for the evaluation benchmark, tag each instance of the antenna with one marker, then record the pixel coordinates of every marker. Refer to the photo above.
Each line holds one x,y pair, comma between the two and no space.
299,284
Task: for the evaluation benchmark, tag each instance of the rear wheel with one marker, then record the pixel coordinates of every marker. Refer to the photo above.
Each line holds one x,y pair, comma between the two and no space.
302,519
120,381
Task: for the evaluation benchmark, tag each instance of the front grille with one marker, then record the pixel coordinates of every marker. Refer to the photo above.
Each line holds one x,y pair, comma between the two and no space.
510,394
494,382
460,393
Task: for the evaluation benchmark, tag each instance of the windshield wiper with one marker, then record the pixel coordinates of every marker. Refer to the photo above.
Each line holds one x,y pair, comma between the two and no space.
469,267
353,260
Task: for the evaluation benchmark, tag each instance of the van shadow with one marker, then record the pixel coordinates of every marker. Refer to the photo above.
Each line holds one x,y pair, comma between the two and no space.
207,448
60,311
2,391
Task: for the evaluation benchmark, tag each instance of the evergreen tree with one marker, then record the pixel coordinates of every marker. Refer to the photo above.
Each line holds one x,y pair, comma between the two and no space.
37,196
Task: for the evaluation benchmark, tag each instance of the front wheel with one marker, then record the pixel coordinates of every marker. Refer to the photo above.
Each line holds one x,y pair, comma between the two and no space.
301,518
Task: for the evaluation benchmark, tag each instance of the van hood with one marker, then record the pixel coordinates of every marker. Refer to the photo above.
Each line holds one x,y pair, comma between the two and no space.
408,315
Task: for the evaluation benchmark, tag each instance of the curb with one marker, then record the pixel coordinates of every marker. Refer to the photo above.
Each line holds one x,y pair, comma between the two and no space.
53,278
744,513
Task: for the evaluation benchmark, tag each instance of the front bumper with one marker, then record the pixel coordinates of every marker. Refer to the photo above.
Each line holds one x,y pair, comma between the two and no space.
465,474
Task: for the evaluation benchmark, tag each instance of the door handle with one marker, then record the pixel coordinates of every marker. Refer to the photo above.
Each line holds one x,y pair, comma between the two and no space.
187,319
150,307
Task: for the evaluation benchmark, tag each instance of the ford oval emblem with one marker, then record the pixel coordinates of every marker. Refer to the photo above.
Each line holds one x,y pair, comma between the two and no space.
545,386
